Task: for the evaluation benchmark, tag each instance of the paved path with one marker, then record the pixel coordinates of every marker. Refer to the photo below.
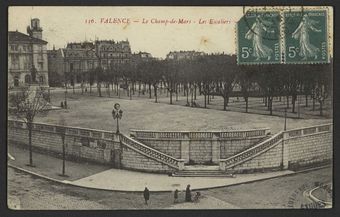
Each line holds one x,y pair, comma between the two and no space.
124,180
206,202
101,177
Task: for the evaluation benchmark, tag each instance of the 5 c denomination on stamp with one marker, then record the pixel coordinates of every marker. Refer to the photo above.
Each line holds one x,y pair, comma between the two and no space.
306,36
258,35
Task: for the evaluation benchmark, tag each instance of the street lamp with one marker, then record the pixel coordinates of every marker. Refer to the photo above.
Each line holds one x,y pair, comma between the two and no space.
117,113
285,127
65,104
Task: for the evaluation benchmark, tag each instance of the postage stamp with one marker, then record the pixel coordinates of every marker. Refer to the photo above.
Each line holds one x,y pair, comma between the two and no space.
258,35
306,36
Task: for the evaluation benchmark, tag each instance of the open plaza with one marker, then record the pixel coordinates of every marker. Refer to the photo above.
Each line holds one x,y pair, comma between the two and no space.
221,116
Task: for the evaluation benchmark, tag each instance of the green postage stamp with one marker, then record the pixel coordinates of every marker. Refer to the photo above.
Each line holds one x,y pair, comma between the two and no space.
258,36
283,36
306,36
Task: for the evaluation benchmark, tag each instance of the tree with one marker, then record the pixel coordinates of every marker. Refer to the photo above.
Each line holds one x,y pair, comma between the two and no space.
323,84
270,81
91,78
226,73
99,77
25,104
170,76
245,78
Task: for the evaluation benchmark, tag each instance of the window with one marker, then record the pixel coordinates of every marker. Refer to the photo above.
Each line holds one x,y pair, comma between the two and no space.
15,61
27,79
41,65
41,79
16,81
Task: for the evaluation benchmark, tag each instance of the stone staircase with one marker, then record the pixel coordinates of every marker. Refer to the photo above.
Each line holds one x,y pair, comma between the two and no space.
201,171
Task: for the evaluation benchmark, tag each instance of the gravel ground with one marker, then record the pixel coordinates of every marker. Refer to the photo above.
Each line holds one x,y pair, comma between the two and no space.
95,112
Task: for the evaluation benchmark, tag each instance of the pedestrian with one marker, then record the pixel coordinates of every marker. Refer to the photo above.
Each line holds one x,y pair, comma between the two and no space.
176,196
146,195
188,194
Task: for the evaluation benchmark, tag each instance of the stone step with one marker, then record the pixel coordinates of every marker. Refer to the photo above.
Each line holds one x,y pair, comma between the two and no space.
202,173
202,168
179,174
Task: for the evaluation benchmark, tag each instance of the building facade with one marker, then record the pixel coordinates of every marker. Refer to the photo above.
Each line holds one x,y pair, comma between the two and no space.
182,55
74,61
111,53
27,57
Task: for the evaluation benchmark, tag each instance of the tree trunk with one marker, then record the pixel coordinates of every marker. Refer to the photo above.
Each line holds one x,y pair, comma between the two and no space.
139,88
155,91
306,97
30,144
149,90
321,107
187,90
170,97
195,92
192,98
224,103
99,90
90,88
63,169
287,97
205,100
313,104
293,103
176,92
246,99
270,103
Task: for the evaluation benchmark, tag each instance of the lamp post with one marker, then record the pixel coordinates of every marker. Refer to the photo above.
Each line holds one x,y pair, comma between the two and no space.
117,113
285,126
65,104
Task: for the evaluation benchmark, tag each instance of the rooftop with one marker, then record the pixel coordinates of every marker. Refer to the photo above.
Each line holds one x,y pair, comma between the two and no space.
15,36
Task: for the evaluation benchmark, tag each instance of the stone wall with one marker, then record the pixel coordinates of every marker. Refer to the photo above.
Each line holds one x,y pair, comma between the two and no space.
94,145
172,148
285,150
234,146
297,148
309,145
201,147
271,159
136,161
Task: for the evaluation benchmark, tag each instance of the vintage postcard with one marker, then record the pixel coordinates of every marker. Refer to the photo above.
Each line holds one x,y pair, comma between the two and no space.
113,107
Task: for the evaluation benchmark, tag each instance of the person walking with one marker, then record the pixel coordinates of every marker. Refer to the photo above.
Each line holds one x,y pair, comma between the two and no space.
146,195
188,194
176,196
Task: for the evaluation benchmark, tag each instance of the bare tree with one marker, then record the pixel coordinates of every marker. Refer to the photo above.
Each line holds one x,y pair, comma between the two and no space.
26,104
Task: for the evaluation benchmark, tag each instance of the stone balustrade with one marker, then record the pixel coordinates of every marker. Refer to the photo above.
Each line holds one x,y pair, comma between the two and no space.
150,152
67,130
184,135
310,132
251,152
324,128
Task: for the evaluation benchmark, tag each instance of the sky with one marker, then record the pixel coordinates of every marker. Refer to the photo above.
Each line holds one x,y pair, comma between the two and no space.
68,24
